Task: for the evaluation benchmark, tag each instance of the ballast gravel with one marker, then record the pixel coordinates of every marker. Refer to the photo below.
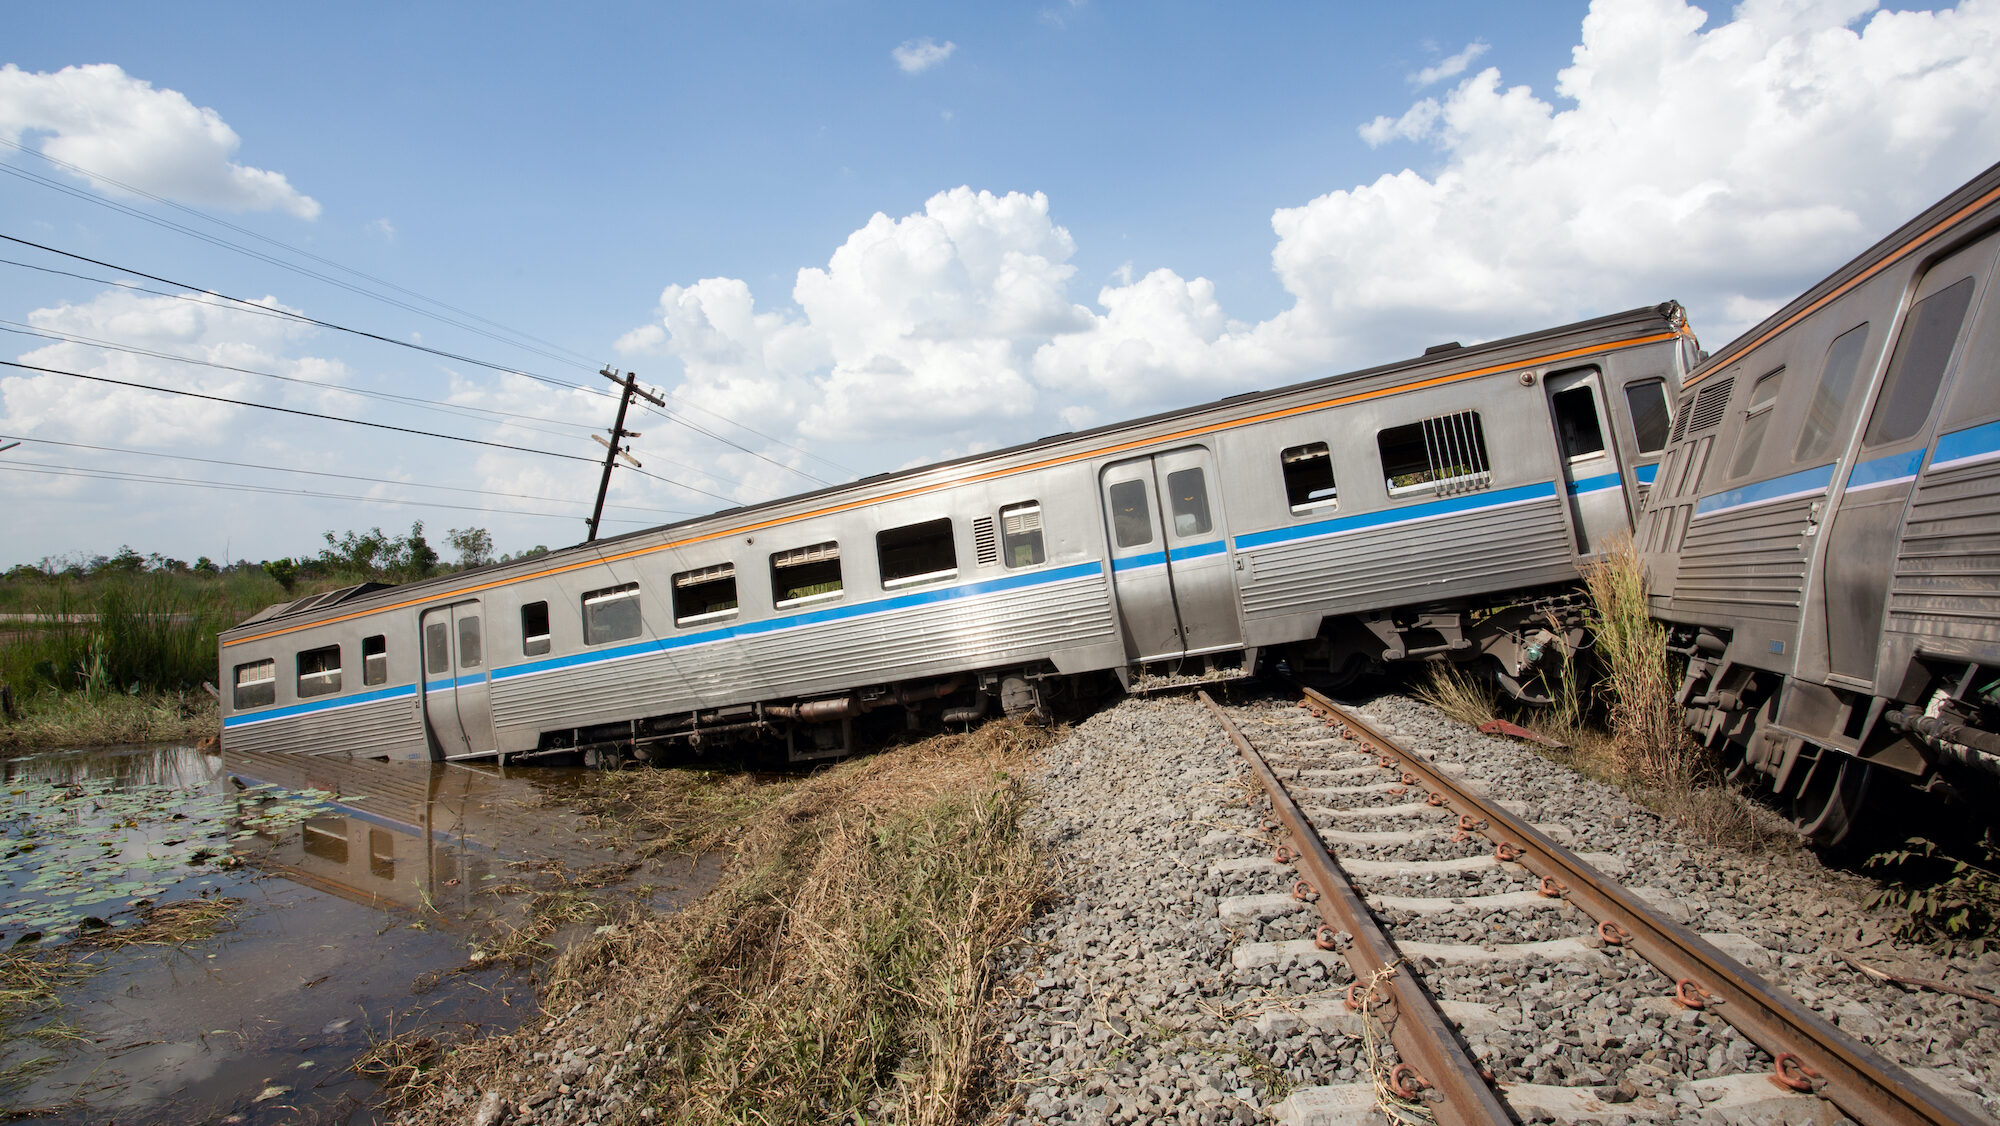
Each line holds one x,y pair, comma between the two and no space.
1125,1004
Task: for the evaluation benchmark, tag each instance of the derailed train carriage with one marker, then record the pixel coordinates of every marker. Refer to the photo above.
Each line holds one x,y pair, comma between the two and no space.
1824,535
1435,508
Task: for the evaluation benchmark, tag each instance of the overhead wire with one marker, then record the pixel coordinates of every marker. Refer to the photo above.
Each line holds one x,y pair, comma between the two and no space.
301,413
238,302
575,358
239,487
182,228
31,440
315,321
461,410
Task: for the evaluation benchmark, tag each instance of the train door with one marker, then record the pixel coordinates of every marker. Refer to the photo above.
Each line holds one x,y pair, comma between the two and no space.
1859,554
457,708
1597,496
1170,562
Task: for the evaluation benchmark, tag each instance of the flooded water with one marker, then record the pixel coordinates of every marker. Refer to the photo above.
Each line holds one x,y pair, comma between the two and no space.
371,893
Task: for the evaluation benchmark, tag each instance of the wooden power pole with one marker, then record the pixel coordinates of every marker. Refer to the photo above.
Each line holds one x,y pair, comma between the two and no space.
613,450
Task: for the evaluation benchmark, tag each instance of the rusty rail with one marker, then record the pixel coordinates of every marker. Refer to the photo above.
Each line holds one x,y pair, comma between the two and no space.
1422,1036
1864,1085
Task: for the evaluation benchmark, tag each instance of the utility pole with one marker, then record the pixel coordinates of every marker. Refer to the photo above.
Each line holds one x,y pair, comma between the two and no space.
613,449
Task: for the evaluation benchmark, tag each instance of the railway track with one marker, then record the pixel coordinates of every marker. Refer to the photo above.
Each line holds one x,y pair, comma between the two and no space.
1355,798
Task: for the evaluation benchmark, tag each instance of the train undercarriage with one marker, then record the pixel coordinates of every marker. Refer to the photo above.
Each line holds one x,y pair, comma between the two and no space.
1825,752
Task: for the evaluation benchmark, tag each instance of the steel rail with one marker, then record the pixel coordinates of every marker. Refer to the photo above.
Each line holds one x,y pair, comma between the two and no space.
1422,1036
1863,1084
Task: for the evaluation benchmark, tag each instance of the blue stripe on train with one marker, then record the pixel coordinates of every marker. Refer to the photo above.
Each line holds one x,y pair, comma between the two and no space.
1806,482
1645,473
1595,484
1890,470
1971,444
321,705
1134,562
1403,515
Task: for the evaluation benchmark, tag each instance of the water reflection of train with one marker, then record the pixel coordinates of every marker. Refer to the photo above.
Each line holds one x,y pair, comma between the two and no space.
408,835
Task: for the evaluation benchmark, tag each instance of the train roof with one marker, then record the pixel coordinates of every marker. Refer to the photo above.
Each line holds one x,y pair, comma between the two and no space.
1441,360
1937,225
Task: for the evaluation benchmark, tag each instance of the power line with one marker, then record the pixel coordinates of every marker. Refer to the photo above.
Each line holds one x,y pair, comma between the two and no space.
337,418
575,358
92,197
305,414
672,417
302,318
462,410
331,473
239,487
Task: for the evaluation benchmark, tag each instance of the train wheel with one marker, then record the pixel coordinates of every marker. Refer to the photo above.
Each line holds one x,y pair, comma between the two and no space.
1827,803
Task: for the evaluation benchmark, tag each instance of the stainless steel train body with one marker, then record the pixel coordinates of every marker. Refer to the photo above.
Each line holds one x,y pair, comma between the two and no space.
1825,532
1372,516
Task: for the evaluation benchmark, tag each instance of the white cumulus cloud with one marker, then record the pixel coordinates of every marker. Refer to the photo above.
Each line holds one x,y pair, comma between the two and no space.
1724,164
1449,67
101,119
916,56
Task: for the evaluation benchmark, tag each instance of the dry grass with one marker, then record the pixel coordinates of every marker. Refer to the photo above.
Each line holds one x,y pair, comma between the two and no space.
1460,695
1651,747
838,973
74,719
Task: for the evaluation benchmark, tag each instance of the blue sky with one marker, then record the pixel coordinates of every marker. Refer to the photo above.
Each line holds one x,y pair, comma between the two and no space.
1165,203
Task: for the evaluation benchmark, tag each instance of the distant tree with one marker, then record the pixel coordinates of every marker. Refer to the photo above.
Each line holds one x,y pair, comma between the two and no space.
283,570
419,559
126,562
474,546
367,553
205,566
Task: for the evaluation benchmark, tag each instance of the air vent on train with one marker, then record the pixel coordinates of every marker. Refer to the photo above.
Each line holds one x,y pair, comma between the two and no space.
1709,405
985,544
1681,417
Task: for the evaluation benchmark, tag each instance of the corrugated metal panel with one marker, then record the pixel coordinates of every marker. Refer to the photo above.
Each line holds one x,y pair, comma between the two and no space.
897,645
384,727
1947,579
1494,550
1751,562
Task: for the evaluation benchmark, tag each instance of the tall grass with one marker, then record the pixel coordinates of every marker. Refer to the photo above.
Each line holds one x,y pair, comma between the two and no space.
1650,746
137,634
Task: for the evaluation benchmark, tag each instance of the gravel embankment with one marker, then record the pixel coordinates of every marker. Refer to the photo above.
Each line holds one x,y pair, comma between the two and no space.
1128,1007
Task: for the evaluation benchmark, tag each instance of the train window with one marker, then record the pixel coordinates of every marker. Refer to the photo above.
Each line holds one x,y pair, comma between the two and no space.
611,614
1309,477
534,629
1576,422
1187,494
325,837
1756,420
705,595
1829,401
1131,520
1651,421
468,643
437,648
1021,534
375,660
319,672
808,574
1917,369
1442,454
256,684
916,553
